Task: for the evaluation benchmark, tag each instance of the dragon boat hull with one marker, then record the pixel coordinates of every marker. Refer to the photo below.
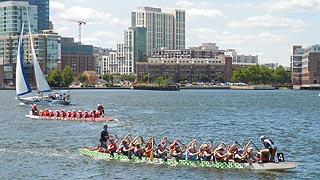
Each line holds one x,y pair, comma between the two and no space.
220,165
100,119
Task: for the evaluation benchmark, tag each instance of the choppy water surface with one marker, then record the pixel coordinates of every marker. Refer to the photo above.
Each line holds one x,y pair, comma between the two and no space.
39,149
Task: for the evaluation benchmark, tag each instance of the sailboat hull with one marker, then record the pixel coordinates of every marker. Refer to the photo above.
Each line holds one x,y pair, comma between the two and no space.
62,98
43,101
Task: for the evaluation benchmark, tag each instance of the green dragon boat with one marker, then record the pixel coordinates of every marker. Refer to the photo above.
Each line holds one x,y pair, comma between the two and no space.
219,165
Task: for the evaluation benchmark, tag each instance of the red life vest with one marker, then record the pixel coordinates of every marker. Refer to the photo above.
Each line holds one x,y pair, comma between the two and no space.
64,114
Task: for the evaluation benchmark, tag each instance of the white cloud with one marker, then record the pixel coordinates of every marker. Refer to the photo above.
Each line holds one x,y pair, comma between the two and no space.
56,6
269,21
189,4
266,37
241,5
293,6
200,9
89,15
205,13
283,6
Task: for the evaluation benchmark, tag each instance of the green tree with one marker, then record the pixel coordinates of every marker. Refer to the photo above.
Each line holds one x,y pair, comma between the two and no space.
168,81
55,79
204,78
253,74
281,76
82,78
160,80
67,77
108,77
130,77
266,75
237,75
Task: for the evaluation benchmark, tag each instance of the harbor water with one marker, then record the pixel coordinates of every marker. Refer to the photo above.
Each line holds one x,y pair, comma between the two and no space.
48,149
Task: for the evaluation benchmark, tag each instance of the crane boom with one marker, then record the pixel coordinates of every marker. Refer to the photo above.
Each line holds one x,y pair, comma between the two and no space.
80,23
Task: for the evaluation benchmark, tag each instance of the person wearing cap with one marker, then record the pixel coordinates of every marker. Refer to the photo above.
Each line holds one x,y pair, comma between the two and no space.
86,114
218,154
69,114
34,110
80,114
162,151
240,156
100,109
51,113
270,147
104,137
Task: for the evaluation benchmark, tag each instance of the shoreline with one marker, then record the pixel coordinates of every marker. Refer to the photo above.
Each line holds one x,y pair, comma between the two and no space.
248,87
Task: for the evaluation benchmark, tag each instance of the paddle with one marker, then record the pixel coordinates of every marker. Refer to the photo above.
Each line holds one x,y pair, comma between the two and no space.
124,138
151,153
255,146
238,144
135,138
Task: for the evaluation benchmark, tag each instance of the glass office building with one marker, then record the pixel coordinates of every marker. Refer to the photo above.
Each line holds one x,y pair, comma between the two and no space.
43,12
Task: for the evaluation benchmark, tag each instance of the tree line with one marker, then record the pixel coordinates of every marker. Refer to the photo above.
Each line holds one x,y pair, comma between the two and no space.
250,75
261,75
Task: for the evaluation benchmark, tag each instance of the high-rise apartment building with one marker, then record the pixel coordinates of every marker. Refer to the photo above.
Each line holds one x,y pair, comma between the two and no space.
12,14
42,11
165,28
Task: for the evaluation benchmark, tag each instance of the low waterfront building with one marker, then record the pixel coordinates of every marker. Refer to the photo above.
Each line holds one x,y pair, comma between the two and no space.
305,65
92,77
241,59
218,69
296,65
310,73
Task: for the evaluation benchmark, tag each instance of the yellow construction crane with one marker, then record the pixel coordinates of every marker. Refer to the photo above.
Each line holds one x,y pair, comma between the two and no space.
79,23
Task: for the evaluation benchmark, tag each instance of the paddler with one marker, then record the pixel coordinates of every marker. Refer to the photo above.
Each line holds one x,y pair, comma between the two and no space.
192,153
34,110
175,150
162,150
57,114
100,109
80,114
112,147
205,150
63,114
270,147
219,156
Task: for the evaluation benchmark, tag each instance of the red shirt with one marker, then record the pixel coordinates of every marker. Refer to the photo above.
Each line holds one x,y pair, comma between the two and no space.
112,146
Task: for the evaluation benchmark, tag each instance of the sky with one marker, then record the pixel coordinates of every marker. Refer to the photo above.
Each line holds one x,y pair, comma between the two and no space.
266,28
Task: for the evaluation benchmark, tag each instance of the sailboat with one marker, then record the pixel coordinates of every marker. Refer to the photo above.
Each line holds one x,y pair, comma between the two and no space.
45,95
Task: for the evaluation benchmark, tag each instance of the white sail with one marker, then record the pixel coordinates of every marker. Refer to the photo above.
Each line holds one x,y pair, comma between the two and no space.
22,85
42,84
